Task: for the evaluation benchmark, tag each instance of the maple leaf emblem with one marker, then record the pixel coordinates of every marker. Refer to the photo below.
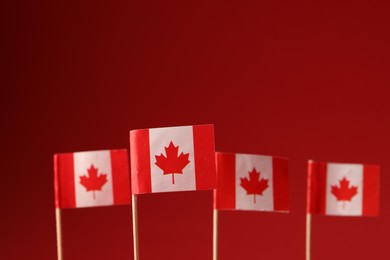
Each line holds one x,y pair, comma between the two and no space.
344,192
254,186
93,181
172,164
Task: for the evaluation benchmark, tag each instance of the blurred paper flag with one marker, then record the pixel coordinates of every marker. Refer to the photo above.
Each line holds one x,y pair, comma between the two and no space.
89,179
343,189
172,159
251,182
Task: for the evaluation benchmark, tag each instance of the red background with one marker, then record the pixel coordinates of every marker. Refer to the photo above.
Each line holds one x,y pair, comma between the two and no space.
301,80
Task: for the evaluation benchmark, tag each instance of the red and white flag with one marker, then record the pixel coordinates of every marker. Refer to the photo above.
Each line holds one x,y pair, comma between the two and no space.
89,179
251,182
342,189
172,159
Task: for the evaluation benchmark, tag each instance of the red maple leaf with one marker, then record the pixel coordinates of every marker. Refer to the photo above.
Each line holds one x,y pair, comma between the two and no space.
94,181
172,164
344,192
254,185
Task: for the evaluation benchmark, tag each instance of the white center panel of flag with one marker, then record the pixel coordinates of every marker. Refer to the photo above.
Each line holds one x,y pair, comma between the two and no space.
352,175
160,139
245,163
101,161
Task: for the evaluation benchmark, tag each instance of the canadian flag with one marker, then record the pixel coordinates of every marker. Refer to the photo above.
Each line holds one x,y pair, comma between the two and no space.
172,159
251,182
89,179
343,189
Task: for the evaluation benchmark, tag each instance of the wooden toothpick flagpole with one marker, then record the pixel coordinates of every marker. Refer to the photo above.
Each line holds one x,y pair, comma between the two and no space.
59,234
135,226
308,236
215,234
308,214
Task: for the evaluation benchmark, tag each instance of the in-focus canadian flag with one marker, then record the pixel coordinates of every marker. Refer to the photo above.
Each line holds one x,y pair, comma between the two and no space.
251,182
172,159
89,179
343,189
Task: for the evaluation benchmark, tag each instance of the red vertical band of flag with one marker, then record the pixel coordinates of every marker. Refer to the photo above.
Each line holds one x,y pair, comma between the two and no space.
204,154
140,164
64,189
316,188
120,180
225,194
371,190
280,183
